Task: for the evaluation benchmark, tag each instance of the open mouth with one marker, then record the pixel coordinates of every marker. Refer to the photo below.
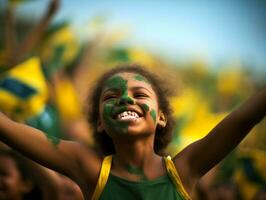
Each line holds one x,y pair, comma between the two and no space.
127,116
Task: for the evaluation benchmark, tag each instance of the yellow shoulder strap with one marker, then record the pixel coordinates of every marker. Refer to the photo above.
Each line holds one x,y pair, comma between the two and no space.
104,173
172,172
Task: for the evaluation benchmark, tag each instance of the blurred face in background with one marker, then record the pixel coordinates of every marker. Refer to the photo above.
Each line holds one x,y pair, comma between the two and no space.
12,185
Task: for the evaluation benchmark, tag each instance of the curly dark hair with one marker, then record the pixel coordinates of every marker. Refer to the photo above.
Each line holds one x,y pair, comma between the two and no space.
162,136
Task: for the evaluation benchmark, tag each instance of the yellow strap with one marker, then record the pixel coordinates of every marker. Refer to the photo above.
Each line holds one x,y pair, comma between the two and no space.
106,167
104,173
172,172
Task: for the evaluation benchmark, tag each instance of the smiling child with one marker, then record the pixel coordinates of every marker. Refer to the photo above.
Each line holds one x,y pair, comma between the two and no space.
132,124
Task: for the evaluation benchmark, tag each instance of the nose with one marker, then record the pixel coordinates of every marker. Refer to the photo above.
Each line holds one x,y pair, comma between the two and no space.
125,99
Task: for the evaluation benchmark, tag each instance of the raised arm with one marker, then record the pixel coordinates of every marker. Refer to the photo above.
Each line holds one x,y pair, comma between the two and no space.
34,36
65,157
199,157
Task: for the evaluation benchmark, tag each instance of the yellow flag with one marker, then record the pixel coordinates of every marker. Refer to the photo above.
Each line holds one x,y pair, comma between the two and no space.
67,100
61,46
23,90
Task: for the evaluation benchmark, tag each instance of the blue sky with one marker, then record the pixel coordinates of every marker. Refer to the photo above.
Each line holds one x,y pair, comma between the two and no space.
180,29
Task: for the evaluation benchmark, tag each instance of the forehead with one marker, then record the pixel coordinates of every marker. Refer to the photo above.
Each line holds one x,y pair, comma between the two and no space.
127,79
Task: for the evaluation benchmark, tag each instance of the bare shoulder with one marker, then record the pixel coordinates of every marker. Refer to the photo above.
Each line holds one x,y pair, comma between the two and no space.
83,163
184,169
86,167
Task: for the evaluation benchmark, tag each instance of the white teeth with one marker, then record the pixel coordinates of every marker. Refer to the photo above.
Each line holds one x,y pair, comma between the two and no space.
128,115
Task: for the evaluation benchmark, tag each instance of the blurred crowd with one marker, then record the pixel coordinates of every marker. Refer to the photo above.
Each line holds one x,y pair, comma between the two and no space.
46,71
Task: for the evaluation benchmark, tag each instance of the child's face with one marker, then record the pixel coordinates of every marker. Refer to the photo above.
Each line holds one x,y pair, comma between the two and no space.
12,185
128,106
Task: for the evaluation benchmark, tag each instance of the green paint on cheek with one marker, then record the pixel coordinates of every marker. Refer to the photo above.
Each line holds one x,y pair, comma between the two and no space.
153,115
120,84
107,111
138,77
145,107
112,124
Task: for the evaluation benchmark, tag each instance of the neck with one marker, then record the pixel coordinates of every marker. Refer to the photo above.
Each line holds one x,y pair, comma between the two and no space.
137,158
134,151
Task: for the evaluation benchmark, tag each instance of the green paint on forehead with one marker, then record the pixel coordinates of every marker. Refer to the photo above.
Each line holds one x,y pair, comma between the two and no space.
139,77
117,82
153,115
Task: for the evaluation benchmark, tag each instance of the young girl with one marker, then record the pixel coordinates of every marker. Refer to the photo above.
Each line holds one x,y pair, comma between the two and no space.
132,122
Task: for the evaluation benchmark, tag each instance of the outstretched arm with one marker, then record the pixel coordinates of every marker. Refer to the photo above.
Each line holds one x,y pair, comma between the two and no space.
199,157
65,157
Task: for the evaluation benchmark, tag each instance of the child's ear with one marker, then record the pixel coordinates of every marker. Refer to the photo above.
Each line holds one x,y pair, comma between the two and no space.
162,121
99,126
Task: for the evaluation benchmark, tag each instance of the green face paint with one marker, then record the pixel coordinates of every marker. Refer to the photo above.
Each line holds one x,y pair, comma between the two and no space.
115,105
146,108
116,83
139,77
114,125
153,115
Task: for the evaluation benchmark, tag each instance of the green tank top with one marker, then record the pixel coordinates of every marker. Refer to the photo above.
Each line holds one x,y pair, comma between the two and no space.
168,187
120,189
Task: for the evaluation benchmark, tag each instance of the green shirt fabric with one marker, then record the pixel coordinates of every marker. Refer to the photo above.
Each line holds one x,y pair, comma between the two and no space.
121,189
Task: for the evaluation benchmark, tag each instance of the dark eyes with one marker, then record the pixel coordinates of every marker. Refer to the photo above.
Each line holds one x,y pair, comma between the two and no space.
110,96
138,95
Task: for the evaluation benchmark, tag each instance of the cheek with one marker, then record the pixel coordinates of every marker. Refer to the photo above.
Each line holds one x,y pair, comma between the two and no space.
153,115
107,110
150,110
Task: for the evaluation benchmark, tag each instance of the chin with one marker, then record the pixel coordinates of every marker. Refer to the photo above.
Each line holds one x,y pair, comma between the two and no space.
139,131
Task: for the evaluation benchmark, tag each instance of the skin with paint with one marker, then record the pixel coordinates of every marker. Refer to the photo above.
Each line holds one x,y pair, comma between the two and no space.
122,93
129,114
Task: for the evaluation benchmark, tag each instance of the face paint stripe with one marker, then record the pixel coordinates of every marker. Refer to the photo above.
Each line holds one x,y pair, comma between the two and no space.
139,77
145,107
153,115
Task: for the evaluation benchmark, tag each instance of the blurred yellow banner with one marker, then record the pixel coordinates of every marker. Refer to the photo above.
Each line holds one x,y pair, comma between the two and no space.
23,90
